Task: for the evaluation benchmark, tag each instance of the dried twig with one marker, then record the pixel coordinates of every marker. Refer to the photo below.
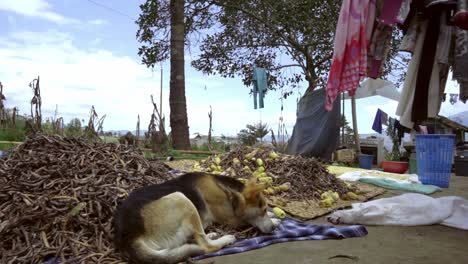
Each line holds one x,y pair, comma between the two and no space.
58,196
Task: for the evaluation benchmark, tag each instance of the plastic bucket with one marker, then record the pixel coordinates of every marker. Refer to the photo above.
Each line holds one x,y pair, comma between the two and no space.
365,161
434,155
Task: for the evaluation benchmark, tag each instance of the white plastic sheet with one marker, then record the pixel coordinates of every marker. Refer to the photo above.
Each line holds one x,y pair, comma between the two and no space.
407,210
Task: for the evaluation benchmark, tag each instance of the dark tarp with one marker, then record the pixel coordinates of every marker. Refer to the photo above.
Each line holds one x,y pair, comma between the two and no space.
317,131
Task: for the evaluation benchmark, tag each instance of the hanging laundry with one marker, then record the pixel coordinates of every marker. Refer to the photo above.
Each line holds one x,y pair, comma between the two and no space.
444,39
260,86
390,11
400,130
422,129
453,98
460,19
380,119
378,50
404,12
405,105
460,62
349,63
464,92
408,42
423,80
379,46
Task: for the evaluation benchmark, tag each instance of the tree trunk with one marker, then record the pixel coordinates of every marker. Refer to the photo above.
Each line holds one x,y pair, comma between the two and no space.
177,101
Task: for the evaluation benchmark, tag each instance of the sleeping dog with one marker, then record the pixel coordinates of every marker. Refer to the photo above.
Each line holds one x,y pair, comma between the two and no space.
157,223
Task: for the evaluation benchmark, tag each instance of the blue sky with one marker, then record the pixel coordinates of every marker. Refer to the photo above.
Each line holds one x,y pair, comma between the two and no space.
87,55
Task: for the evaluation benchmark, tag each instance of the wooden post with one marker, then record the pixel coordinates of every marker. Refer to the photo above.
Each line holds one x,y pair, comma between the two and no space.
355,126
160,94
343,119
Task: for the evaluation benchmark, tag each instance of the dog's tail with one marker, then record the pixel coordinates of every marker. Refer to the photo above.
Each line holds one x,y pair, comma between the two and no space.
142,252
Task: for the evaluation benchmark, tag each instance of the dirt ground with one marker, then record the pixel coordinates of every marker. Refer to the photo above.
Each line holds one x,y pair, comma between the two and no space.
384,244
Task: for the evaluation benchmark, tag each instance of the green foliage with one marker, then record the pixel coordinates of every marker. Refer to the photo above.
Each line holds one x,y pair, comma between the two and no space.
277,35
253,133
6,146
73,128
154,27
17,135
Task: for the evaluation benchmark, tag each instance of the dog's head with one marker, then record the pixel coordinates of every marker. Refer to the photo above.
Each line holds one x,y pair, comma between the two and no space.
255,210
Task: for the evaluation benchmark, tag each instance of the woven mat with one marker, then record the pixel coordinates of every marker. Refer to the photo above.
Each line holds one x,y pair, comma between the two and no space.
182,165
310,209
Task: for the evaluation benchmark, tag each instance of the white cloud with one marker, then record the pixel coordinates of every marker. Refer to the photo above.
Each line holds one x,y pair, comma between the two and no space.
118,86
98,22
35,8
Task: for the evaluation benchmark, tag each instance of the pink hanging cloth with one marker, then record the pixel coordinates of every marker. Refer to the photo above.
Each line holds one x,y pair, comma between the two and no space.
352,36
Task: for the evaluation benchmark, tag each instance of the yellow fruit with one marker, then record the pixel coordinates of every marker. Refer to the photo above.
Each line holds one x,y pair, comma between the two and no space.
328,202
245,161
236,161
261,169
269,190
335,196
217,160
352,195
325,195
246,168
285,186
260,162
279,212
265,179
263,174
207,169
273,155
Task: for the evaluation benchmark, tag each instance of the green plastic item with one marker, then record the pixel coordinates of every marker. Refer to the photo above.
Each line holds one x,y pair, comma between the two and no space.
409,187
413,166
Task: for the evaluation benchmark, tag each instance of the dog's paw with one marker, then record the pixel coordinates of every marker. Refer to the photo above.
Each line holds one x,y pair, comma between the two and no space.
227,240
212,235
276,221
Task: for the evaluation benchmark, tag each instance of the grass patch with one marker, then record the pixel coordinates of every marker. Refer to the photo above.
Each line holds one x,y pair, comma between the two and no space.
6,146
176,154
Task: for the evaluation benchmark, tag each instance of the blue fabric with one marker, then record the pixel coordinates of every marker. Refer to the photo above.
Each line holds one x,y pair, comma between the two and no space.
291,230
379,120
260,86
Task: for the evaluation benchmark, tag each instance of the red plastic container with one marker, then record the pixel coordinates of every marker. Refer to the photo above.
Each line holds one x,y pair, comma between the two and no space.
395,166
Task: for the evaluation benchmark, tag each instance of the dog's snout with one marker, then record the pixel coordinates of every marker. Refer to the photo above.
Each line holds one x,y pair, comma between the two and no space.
264,224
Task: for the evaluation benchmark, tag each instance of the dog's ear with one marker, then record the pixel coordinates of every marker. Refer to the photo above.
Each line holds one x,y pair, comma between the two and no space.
252,189
238,204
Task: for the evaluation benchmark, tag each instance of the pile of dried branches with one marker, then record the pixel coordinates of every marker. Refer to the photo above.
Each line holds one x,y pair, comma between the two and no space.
308,177
58,196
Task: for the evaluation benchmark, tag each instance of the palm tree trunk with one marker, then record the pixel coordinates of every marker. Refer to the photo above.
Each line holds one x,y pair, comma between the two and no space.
177,101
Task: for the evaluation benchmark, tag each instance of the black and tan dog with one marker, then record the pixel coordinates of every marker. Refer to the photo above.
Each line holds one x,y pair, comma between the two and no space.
155,224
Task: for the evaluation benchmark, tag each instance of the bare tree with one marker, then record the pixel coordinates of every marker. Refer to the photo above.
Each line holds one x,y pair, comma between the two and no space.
210,116
36,104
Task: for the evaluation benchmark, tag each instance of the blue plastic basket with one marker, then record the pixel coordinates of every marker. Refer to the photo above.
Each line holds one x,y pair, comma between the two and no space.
365,161
434,155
